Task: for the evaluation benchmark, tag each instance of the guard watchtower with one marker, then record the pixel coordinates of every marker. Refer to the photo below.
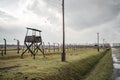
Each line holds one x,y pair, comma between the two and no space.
33,42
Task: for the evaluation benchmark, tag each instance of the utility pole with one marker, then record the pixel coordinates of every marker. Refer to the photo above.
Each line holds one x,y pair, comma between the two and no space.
4,46
54,46
98,41
63,57
103,43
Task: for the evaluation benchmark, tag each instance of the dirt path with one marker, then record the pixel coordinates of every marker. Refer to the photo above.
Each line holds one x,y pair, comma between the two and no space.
116,64
8,68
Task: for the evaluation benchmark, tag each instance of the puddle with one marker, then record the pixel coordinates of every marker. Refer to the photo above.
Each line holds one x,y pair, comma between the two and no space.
116,66
118,58
114,59
118,78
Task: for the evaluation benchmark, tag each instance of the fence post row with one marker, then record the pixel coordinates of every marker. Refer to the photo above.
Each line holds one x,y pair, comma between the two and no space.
49,46
18,45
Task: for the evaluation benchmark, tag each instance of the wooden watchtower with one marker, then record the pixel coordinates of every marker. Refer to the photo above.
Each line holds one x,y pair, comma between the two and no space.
33,42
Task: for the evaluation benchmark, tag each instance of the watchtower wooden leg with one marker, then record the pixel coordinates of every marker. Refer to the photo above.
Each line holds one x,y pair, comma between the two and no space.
41,51
28,48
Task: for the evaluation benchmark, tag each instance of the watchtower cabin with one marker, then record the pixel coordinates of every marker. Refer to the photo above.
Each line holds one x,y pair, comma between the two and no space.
33,42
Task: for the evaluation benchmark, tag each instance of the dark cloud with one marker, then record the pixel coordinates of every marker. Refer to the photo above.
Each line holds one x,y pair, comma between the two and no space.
87,13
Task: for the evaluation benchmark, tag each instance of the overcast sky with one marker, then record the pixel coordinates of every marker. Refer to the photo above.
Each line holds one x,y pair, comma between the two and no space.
83,20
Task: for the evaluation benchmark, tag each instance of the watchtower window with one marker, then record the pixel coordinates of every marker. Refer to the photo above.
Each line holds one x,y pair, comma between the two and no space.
33,33
33,39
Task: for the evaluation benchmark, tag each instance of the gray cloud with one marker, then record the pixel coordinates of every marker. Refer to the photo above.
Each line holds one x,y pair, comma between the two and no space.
87,13
79,14
11,33
12,4
42,7
83,19
8,1
37,7
6,16
45,8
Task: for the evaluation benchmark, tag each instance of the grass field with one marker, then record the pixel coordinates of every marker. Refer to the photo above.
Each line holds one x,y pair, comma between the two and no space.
78,64
103,70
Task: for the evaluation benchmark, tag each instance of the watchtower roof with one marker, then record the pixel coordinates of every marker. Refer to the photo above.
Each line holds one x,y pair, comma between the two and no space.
34,29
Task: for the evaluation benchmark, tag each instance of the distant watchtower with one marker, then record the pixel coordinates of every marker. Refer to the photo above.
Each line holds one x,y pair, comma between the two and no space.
33,42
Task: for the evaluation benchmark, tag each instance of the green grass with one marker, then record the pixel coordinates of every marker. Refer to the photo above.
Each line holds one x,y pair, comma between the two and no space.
78,64
76,70
103,69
